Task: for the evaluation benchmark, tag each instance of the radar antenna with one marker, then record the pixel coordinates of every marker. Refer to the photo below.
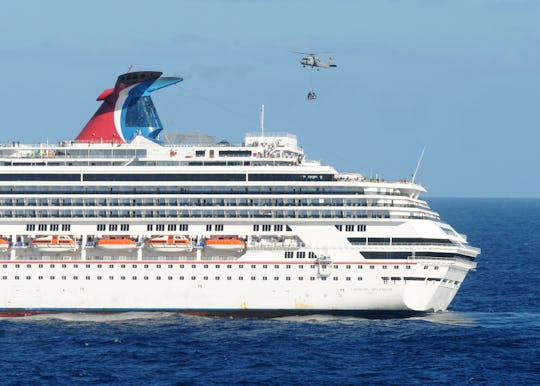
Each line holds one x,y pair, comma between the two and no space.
418,164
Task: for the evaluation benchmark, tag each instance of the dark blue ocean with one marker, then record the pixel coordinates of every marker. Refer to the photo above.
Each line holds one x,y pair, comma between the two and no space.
490,335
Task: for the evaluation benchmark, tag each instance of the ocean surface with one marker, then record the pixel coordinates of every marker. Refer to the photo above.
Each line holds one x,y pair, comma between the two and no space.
490,334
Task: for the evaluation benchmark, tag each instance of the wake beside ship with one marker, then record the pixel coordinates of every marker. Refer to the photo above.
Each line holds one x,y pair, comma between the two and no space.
119,220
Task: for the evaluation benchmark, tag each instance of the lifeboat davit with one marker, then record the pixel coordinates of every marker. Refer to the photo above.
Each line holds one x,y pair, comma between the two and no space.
116,243
170,243
54,243
4,244
233,244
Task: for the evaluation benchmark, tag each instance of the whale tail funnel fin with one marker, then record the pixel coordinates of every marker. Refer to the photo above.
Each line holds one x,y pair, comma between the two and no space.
127,109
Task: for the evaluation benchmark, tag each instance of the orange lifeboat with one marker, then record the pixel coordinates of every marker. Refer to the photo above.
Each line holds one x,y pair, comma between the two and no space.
233,244
116,243
169,243
54,243
4,244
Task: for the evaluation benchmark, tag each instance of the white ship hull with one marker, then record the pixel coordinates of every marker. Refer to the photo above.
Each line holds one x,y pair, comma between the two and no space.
212,296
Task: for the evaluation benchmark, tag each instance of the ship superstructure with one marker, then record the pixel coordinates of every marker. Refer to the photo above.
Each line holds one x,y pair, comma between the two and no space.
118,220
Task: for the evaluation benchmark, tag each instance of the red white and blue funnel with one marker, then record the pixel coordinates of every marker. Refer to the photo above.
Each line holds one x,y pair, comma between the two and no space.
127,109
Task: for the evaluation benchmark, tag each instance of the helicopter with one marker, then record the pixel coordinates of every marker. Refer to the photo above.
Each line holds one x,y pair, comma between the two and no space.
313,60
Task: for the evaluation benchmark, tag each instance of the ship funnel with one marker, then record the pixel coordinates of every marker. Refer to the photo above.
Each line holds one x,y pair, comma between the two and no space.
127,109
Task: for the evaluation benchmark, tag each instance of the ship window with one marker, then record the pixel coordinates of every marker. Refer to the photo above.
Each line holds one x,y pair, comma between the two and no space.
287,278
160,227
158,266
266,228
87,277
252,277
228,278
208,227
133,277
255,227
229,266
359,278
193,266
171,227
241,266
265,277
339,227
312,278
99,277
28,265
216,278
205,266
253,266
124,227
288,266
335,278
28,278
75,278
4,277
240,278
278,228
359,266
145,277
348,266
134,265
384,267
50,266
100,227
276,266
193,277
371,267
181,266
17,277
150,227
276,277
219,227
30,227
181,277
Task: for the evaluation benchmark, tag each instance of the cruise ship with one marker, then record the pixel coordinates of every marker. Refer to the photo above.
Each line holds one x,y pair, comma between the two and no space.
126,217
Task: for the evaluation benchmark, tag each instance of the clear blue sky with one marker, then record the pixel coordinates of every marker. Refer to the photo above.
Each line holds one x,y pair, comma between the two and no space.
462,77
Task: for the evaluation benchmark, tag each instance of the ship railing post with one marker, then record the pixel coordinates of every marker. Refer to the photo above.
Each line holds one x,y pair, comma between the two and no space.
83,247
12,251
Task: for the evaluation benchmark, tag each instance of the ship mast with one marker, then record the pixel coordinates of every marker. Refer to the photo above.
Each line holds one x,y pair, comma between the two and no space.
262,120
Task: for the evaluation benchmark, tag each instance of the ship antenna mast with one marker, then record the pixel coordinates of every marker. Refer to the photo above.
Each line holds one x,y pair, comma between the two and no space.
418,164
262,120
